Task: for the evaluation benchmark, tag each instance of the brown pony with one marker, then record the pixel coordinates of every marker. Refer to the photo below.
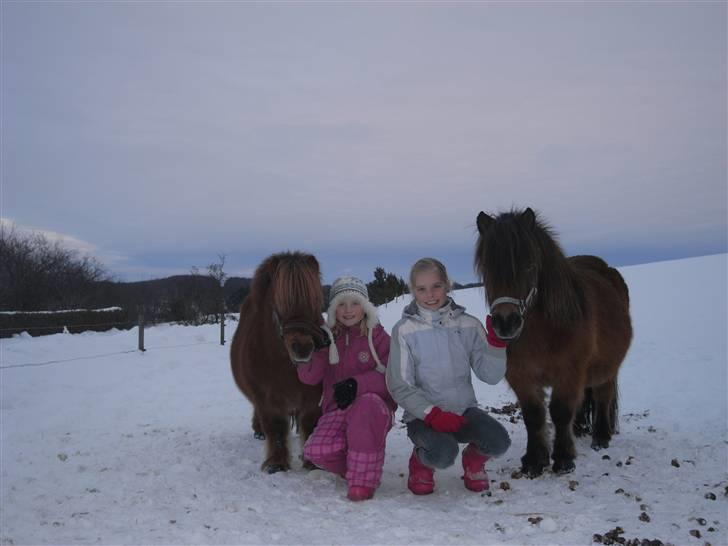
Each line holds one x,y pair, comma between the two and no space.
279,325
568,326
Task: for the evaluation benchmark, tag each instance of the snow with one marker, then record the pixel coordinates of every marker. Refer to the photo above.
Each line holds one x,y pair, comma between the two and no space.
103,444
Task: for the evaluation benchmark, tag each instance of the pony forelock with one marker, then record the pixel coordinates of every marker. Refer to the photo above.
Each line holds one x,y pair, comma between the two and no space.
297,288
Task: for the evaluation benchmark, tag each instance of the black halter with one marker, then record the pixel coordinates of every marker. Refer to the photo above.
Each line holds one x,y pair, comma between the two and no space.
522,305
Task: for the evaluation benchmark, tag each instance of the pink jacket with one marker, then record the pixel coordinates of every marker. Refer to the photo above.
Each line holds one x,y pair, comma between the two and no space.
355,360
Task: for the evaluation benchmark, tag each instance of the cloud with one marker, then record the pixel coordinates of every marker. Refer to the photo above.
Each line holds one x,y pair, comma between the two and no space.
109,258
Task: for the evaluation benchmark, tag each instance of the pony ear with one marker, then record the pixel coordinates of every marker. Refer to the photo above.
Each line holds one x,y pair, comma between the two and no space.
484,222
529,218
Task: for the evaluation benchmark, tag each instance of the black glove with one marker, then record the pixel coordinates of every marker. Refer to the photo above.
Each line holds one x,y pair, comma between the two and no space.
322,340
345,392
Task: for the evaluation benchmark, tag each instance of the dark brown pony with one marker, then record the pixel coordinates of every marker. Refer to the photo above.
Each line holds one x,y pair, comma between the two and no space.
279,324
568,326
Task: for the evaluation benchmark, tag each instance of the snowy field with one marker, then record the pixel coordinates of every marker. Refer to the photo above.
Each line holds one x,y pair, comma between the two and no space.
102,444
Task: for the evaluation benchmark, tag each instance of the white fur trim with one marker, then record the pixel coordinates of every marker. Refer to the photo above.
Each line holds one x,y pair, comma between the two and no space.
380,368
333,351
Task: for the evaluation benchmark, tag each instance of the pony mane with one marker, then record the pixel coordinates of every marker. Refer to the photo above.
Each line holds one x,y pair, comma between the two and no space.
295,282
515,247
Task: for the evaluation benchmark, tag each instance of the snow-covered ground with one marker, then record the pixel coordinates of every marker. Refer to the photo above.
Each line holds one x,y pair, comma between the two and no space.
102,444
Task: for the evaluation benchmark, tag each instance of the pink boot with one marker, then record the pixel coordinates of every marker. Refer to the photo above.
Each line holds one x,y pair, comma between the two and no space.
475,477
360,493
421,480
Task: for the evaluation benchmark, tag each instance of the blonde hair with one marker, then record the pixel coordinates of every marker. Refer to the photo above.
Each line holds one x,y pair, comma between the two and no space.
429,264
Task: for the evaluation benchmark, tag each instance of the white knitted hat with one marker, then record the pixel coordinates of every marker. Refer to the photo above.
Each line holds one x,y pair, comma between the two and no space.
351,287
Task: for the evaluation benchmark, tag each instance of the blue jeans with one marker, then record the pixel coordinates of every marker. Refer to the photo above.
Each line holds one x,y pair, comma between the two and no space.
439,449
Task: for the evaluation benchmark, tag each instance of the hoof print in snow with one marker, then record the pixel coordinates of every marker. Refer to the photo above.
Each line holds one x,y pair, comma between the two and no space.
710,496
505,486
675,463
63,457
573,484
535,520
644,517
695,533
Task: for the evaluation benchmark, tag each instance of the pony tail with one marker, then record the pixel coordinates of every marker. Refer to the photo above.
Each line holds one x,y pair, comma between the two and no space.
614,410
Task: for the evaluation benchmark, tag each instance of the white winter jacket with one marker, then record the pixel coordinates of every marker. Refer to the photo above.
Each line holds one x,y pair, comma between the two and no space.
431,356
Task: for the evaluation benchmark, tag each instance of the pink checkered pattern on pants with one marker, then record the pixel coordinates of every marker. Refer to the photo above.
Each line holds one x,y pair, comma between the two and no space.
326,447
364,469
351,442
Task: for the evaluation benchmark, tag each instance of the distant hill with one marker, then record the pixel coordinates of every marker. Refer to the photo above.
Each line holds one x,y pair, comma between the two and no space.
188,298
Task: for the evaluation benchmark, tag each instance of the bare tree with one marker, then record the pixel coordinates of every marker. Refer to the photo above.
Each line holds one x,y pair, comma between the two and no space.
36,273
216,271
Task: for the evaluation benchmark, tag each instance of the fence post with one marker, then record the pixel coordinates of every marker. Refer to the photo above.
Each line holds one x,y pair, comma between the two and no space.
222,328
141,330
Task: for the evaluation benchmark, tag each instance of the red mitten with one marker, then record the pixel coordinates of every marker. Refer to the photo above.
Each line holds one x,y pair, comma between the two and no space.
444,421
493,339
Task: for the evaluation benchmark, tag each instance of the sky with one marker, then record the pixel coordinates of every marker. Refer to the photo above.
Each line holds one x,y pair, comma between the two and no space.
159,135
103,444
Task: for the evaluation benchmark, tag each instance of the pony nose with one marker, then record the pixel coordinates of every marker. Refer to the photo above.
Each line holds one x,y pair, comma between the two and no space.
507,326
302,349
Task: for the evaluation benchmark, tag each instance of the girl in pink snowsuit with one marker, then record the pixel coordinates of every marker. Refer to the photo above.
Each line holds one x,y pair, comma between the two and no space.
357,407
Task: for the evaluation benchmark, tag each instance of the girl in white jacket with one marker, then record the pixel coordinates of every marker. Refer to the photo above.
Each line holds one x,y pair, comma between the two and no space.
434,347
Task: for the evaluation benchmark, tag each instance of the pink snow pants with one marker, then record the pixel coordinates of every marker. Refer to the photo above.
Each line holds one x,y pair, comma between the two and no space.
350,442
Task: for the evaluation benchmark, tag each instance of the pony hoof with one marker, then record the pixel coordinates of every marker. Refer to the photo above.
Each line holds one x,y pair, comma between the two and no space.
273,468
599,443
532,471
259,436
564,466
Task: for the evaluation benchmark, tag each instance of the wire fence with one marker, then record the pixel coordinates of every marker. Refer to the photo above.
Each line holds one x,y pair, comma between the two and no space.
140,324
